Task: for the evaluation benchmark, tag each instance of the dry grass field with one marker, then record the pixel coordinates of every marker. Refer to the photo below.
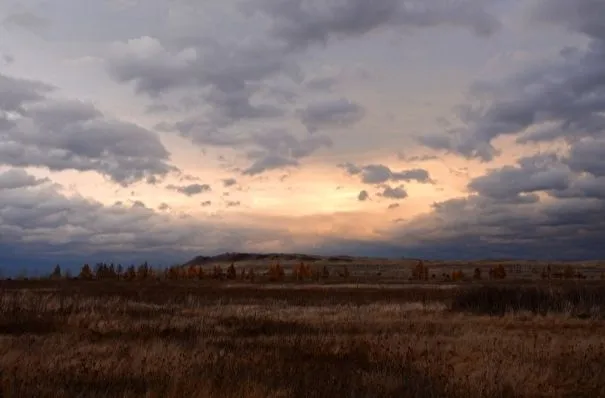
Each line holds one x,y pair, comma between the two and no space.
70,338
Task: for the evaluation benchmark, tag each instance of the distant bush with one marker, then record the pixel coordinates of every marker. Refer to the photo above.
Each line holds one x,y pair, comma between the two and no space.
586,301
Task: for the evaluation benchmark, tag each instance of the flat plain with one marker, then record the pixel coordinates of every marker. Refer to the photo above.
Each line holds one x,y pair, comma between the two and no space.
372,334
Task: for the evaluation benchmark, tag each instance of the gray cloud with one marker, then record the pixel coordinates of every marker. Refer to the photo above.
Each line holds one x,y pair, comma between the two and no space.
363,196
229,81
64,134
538,173
206,203
269,162
378,174
191,189
588,155
394,193
233,203
27,20
563,99
301,23
228,182
17,178
277,149
7,58
393,206
42,220
331,113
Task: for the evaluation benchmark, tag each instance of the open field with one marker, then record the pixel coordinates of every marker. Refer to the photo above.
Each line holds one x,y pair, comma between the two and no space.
229,339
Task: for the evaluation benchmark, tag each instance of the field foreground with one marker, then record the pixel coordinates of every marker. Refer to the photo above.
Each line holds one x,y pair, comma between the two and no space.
181,339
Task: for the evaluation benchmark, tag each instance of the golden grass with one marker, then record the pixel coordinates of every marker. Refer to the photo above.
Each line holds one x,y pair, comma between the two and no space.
123,339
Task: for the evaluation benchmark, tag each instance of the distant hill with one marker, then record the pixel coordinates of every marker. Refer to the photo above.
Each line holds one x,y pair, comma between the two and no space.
228,258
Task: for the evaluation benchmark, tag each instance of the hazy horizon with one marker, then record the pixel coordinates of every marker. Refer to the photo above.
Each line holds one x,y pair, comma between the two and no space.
160,130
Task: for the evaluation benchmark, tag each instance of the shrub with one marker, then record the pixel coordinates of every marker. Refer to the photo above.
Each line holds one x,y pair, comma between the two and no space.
577,301
420,272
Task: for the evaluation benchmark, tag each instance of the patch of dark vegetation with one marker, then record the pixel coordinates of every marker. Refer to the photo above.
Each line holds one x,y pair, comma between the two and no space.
25,325
257,326
579,301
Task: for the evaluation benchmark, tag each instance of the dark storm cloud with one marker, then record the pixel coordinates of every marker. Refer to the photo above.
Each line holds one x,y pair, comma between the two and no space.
588,156
564,98
42,220
479,227
378,174
331,113
190,190
65,134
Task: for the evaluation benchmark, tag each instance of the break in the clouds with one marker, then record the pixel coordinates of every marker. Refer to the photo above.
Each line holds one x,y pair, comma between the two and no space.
117,119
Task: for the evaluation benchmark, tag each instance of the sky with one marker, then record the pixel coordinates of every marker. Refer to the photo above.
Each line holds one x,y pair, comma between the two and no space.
157,130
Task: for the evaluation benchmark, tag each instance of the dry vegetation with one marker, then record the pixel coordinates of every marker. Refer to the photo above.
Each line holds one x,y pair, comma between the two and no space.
187,334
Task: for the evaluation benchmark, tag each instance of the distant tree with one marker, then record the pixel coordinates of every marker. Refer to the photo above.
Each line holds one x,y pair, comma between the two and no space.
276,272
420,272
131,273
217,272
302,271
457,275
144,271
497,272
477,274
56,274
231,272
251,274
85,272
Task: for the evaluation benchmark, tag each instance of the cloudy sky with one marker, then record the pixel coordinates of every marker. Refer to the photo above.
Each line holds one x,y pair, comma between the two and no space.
160,129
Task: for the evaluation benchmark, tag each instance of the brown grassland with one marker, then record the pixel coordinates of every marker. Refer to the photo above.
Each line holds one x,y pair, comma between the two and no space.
211,338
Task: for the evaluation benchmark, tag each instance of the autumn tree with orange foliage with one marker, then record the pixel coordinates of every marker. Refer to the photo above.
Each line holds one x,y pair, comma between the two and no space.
420,272
457,275
276,272
302,271
497,272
